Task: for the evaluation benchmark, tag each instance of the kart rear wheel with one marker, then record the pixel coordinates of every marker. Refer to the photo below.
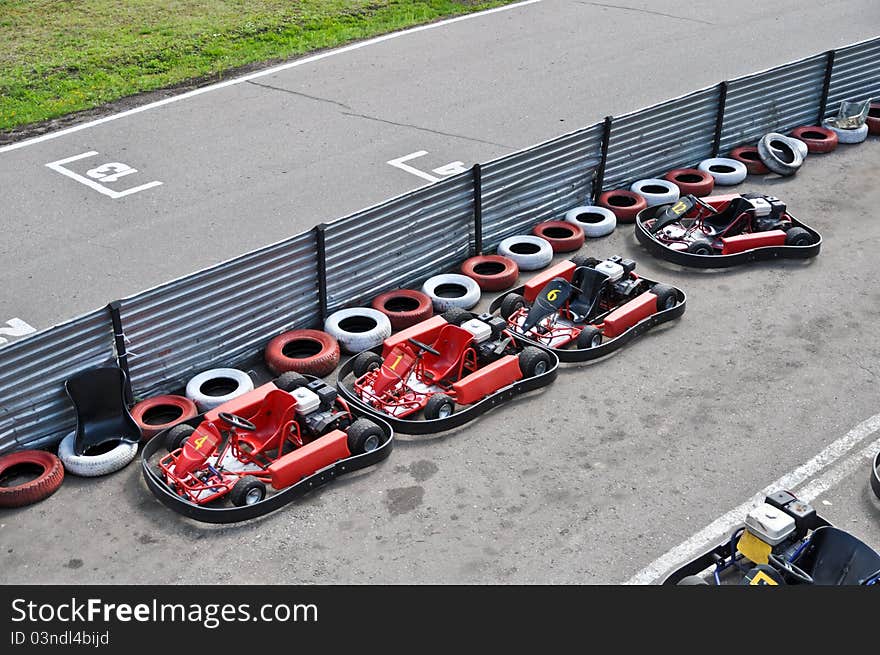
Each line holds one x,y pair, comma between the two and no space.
583,260
439,406
291,381
365,362
533,362
510,304
177,436
457,316
798,236
590,337
364,436
700,247
247,491
667,298
691,580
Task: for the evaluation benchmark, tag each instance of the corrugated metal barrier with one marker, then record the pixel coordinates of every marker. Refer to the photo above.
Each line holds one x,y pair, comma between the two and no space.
225,314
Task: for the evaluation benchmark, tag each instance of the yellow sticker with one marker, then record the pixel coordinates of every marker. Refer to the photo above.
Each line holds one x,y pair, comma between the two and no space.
763,579
553,295
200,442
753,548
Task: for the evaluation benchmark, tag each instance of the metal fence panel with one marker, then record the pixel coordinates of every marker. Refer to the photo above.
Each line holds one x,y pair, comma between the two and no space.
855,76
220,316
772,101
400,242
673,134
538,184
34,408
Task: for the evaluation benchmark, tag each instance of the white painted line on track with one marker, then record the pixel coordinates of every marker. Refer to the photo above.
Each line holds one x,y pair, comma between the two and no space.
99,172
262,73
725,524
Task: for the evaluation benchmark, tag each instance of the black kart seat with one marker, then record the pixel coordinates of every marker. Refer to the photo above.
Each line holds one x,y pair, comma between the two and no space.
98,397
835,557
722,220
588,283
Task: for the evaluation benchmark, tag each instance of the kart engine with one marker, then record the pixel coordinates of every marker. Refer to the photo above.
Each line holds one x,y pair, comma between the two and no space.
618,271
488,330
782,521
769,210
315,406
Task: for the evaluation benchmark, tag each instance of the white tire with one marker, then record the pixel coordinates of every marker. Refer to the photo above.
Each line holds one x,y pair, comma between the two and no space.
196,388
441,303
538,252
784,158
594,221
848,136
656,191
801,146
358,329
92,466
722,173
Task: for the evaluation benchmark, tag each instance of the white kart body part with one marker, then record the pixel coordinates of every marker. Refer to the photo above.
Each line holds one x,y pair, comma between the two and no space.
307,401
552,321
481,331
769,524
412,382
612,270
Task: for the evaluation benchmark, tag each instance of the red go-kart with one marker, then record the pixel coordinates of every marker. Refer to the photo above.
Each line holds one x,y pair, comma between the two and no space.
584,301
275,435
455,359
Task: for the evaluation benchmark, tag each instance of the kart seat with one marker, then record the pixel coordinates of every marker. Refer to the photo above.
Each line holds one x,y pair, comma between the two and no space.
590,282
272,419
98,397
722,220
451,342
835,557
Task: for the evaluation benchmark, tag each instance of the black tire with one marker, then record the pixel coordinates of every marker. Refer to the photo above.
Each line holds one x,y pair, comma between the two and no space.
590,337
439,406
583,260
247,491
364,436
700,247
365,362
177,436
510,303
798,236
533,361
667,298
291,381
691,580
456,316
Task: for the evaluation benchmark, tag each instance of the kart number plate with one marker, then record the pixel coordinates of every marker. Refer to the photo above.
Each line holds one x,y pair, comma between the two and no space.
753,548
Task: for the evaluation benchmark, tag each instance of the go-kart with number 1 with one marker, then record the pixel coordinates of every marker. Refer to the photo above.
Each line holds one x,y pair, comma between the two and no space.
585,308
447,368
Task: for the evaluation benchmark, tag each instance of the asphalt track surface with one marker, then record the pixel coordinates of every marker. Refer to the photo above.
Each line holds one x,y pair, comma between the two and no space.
595,479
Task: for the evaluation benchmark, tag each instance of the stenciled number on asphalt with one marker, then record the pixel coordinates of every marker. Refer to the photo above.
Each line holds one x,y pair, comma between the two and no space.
451,168
17,328
98,177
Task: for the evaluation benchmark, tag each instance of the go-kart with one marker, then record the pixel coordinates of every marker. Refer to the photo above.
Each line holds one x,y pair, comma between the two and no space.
457,361
726,230
292,432
784,541
584,308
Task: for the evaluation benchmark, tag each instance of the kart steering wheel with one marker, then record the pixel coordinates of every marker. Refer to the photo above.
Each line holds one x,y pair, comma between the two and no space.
793,570
424,347
236,421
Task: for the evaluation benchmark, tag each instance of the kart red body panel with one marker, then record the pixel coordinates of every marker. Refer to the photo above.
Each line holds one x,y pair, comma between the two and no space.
324,451
197,449
564,269
245,405
426,332
742,242
624,317
488,379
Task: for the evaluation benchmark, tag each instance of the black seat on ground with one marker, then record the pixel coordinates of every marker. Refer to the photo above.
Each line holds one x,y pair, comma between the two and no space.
98,397
726,216
590,282
835,557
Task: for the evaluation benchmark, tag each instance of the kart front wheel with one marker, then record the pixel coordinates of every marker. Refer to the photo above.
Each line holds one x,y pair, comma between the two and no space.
667,298
798,236
177,436
533,362
511,304
364,436
366,362
590,337
439,406
247,491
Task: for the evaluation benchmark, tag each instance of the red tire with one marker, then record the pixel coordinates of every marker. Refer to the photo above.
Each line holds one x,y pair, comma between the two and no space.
492,272
818,139
873,120
304,351
625,204
404,307
691,181
749,156
162,412
561,235
32,491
